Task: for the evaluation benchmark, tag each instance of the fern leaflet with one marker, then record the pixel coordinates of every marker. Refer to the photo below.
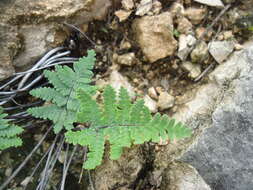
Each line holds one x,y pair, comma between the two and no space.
120,122
65,81
8,133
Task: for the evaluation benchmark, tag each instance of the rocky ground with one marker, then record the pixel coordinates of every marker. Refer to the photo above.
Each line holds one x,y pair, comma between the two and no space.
187,58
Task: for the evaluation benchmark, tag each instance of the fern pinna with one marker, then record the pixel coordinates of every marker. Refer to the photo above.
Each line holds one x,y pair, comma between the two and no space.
122,123
8,133
62,96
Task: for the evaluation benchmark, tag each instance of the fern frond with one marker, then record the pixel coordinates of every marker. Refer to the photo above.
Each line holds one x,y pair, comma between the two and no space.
62,95
90,112
8,133
94,140
124,105
110,109
120,122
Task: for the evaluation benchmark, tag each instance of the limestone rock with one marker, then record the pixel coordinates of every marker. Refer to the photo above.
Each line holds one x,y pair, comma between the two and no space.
123,171
152,93
150,103
220,50
228,34
193,69
200,52
177,9
165,101
127,4
184,25
116,80
122,14
35,12
185,43
10,45
125,45
156,7
154,35
28,29
182,176
37,40
214,3
223,153
144,7
198,102
196,15
191,40
127,59
200,31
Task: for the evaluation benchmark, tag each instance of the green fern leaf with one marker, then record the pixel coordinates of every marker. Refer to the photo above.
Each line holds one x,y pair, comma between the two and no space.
120,122
62,95
124,105
118,140
8,133
94,140
110,110
90,112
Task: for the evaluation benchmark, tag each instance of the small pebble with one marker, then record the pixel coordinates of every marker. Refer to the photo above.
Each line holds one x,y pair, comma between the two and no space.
152,93
165,101
150,103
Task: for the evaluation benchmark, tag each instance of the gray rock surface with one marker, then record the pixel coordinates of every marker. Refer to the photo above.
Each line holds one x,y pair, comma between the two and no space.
117,80
182,176
9,45
223,154
185,45
220,50
29,28
165,101
150,103
193,69
200,52
214,3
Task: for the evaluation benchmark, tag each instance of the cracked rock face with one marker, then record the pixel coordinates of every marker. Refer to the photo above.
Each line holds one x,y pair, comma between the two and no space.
223,153
182,176
154,35
220,50
119,173
18,12
29,28
9,45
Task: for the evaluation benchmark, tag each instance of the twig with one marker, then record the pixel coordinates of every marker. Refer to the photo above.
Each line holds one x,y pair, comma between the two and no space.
216,20
211,65
25,161
204,72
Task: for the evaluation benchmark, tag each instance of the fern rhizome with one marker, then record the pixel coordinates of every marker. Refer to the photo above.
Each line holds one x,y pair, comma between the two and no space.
8,133
118,120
